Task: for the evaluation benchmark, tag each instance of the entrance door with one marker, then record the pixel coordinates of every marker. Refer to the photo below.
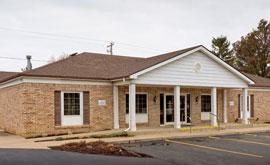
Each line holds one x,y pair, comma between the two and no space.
248,106
183,109
169,109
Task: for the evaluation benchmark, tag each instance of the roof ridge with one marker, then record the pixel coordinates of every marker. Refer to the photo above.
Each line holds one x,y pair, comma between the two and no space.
112,55
8,72
186,49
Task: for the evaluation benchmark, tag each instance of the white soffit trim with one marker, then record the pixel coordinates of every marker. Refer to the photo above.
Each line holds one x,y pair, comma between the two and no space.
12,82
205,51
257,89
45,80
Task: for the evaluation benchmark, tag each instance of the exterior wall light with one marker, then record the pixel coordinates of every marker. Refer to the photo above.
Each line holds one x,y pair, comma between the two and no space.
197,99
155,98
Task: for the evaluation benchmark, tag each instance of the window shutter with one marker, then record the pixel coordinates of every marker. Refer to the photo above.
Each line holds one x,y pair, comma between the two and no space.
57,108
251,105
86,112
239,113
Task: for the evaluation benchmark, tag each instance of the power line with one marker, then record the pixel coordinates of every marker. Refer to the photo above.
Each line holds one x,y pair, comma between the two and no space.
76,37
22,59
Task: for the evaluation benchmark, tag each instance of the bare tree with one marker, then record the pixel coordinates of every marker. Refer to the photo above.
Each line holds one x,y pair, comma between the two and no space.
59,58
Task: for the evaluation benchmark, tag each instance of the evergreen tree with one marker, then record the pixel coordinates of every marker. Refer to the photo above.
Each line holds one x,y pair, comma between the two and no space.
221,48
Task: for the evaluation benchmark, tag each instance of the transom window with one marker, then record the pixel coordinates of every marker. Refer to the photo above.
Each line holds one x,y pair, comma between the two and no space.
206,103
72,104
141,103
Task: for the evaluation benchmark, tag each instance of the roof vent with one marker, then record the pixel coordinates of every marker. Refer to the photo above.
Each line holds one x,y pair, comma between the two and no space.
29,64
73,54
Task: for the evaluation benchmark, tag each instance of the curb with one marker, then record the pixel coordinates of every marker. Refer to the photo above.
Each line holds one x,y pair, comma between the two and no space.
188,136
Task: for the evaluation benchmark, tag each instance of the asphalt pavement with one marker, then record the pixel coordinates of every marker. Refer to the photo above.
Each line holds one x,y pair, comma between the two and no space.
244,149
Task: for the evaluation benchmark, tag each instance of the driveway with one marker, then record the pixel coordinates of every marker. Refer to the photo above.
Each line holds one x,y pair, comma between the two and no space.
234,149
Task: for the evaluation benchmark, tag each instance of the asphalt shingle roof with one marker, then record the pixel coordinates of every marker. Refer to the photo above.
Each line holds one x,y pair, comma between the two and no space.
106,67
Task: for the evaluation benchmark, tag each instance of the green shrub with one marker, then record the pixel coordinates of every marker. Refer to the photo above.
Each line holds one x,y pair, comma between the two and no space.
123,134
59,139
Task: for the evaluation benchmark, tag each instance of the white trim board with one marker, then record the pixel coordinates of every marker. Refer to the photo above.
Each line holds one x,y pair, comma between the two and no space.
205,51
45,80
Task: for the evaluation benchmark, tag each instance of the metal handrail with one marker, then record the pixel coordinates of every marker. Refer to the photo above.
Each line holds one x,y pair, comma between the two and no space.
190,121
218,120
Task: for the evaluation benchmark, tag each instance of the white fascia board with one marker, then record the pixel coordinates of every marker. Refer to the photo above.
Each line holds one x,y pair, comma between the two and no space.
227,66
47,80
12,82
209,54
121,82
187,85
135,75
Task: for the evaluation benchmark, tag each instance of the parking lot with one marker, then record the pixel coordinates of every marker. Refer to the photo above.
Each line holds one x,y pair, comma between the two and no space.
252,148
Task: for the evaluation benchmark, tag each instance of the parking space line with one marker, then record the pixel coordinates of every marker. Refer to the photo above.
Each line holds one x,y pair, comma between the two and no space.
244,141
212,148
257,135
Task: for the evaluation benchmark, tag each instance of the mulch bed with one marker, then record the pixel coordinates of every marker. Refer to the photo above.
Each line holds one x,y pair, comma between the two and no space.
98,147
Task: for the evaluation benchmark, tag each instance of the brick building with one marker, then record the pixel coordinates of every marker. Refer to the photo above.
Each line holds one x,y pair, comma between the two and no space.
90,92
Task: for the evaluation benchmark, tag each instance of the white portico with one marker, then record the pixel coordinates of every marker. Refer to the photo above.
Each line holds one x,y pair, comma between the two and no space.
196,69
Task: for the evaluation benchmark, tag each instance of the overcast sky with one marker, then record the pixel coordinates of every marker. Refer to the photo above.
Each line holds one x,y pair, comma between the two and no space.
139,28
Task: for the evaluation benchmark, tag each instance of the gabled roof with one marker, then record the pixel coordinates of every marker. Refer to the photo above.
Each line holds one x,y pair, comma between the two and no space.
97,66
259,81
107,67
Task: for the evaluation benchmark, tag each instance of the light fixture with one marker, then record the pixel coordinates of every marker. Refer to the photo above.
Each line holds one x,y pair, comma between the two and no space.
155,98
197,99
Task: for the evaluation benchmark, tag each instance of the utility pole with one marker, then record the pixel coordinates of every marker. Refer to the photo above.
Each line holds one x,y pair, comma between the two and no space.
110,48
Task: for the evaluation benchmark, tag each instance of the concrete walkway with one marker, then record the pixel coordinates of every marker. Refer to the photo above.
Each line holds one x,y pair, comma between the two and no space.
153,136
13,141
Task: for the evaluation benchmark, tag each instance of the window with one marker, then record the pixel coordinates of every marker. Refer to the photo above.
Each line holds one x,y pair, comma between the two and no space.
141,103
72,104
206,103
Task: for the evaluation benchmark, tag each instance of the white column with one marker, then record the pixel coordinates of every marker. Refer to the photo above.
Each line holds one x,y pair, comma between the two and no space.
225,105
214,106
177,107
132,107
244,102
115,107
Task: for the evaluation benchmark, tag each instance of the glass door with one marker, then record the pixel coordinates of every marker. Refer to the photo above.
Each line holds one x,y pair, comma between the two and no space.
183,112
169,112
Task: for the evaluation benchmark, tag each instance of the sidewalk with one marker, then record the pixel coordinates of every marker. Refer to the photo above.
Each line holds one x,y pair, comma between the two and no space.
152,136
13,141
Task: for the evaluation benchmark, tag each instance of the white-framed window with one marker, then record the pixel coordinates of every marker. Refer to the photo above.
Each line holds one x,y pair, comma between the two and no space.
141,108
206,103
71,108
141,103
205,106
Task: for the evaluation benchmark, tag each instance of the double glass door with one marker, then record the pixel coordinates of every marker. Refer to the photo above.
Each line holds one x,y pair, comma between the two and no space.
167,109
